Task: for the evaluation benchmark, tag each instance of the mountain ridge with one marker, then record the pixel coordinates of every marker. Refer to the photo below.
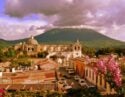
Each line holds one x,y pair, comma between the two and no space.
87,37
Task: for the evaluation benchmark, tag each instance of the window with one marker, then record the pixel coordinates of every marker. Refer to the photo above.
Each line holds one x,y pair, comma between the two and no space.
92,75
32,49
19,49
78,48
105,85
96,79
28,49
100,80
86,72
75,48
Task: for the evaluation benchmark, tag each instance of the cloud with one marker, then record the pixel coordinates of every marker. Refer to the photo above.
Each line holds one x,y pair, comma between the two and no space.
18,31
25,7
98,13
69,12
14,28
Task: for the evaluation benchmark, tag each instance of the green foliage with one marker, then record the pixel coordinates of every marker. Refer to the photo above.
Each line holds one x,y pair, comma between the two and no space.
21,62
120,51
84,92
42,54
87,37
54,94
89,51
104,51
10,53
4,44
24,94
33,94
2,57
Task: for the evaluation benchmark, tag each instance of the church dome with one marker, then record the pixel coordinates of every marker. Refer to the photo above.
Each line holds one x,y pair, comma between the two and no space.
32,41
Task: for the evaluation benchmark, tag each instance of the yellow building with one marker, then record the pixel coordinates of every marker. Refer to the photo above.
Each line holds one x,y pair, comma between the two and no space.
31,47
86,70
98,79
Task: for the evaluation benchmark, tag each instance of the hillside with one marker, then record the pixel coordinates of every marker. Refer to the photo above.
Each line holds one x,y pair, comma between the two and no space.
4,43
87,37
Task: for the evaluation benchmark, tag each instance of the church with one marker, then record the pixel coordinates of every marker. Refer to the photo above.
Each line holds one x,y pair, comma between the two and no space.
31,47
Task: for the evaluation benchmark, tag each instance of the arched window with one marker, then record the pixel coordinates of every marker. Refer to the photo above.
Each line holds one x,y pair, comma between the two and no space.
75,48
96,79
28,49
78,47
89,73
105,85
32,49
100,80
92,75
86,73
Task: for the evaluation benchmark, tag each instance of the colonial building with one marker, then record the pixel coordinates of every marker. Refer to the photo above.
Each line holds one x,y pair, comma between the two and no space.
31,47
98,80
85,69
79,66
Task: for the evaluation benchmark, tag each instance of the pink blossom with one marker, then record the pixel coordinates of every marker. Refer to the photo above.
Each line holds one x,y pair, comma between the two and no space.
110,66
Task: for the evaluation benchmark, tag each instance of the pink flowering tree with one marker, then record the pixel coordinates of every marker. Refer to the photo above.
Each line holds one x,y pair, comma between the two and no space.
111,70
2,92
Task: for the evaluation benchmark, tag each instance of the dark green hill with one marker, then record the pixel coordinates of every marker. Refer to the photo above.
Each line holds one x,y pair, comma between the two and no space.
87,37
4,43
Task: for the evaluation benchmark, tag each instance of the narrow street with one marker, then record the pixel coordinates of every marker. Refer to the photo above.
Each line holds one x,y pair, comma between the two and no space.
69,78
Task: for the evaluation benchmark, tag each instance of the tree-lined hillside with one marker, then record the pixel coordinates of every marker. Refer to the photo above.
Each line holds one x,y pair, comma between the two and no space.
87,37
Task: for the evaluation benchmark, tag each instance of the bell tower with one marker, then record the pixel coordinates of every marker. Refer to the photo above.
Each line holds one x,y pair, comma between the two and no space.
77,49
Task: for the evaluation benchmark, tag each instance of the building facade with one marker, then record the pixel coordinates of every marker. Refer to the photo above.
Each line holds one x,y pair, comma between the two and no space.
98,80
85,69
31,47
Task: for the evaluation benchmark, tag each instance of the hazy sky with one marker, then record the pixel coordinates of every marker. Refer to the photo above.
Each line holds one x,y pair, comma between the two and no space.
22,18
